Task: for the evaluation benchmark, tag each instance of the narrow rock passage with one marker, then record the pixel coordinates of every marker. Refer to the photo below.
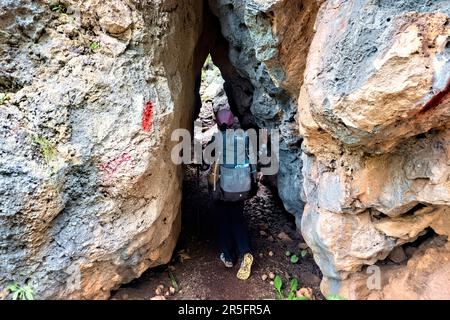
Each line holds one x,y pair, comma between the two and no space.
195,265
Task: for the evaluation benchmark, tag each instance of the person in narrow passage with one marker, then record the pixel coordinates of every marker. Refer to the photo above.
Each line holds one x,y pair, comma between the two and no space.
232,180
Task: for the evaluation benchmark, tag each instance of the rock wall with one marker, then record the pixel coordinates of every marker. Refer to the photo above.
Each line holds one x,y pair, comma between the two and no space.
374,111
268,43
91,91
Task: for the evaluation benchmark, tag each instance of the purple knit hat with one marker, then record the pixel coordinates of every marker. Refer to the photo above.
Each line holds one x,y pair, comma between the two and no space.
225,116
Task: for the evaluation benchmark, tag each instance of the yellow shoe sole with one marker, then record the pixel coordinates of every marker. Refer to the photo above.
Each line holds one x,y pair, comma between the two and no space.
246,267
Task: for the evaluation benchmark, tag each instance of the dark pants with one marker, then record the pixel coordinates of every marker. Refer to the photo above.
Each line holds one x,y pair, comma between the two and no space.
233,232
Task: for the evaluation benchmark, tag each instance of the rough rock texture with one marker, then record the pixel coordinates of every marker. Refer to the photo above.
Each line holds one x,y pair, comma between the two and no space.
268,43
88,196
425,276
374,111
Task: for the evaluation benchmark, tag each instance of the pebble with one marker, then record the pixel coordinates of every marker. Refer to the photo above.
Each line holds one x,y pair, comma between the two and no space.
271,275
397,255
271,253
303,246
270,238
311,278
283,236
305,292
264,277
263,233
172,290
158,291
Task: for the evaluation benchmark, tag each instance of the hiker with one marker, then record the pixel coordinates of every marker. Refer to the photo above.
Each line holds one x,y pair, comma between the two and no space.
231,183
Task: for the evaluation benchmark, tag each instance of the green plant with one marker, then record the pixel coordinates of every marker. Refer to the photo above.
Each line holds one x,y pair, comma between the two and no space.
335,297
292,293
293,289
294,259
304,253
94,46
58,8
48,151
21,293
173,281
278,285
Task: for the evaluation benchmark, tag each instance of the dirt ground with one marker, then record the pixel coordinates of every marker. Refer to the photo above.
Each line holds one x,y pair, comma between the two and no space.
197,272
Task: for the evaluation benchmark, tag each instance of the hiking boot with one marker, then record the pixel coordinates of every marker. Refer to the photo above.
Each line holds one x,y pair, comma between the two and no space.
227,263
246,267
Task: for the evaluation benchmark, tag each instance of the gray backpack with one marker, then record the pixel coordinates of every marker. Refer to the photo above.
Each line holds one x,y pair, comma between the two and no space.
235,169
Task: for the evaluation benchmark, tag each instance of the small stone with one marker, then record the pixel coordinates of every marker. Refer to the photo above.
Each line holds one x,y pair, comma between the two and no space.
263,233
261,255
271,275
283,236
270,238
303,246
264,277
167,293
305,292
397,255
158,298
271,253
310,278
4,293
172,290
271,283
158,291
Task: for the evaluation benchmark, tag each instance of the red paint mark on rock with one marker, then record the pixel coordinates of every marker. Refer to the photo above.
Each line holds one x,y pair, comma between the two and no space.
436,100
147,117
112,166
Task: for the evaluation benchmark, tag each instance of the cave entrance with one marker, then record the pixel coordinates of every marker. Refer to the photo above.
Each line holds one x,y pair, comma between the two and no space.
271,228
195,270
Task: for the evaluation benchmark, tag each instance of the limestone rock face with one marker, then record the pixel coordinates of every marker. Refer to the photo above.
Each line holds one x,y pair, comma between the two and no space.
425,276
268,45
374,111
89,198
390,83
